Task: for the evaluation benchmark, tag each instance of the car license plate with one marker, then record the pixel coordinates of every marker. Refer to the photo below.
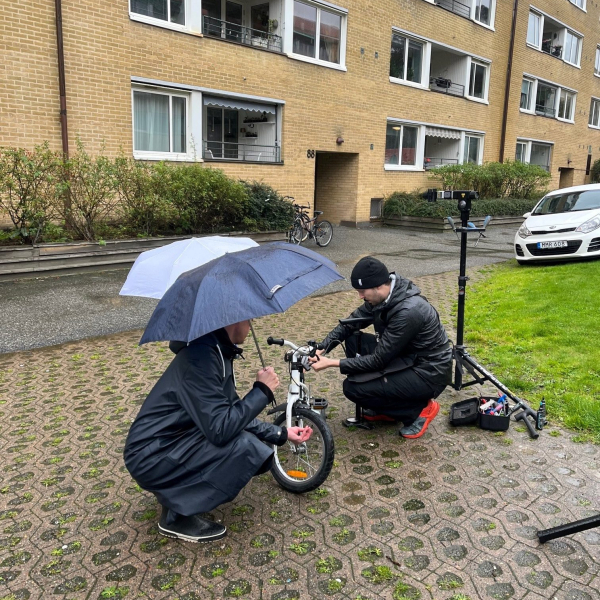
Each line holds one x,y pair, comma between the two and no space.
544,245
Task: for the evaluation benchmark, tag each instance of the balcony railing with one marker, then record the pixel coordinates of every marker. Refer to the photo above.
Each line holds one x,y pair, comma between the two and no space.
431,162
551,49
241,152
458,8
445,86
241,35
545,111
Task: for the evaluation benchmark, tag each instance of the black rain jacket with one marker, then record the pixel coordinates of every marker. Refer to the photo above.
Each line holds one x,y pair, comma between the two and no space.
195,444
409,334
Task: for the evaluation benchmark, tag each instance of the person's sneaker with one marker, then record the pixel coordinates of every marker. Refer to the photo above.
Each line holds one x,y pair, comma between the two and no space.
371,415
191,529
421,423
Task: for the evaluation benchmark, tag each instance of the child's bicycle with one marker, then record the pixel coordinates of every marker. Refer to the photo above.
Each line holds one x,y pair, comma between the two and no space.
304,227
304,467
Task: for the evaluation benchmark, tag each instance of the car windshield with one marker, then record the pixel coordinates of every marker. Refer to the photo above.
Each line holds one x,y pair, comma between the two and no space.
573,202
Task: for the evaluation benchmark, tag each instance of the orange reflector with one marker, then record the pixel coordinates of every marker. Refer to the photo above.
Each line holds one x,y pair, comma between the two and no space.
297,474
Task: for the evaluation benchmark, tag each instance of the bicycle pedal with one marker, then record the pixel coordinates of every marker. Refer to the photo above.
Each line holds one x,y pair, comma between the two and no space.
319,403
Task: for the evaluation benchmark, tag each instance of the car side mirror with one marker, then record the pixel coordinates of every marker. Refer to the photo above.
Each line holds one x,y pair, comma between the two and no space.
526,215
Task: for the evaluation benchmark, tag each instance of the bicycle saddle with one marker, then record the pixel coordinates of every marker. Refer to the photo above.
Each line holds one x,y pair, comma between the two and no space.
318,212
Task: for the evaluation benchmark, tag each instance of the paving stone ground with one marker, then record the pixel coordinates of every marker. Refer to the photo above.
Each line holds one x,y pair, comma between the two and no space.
452,515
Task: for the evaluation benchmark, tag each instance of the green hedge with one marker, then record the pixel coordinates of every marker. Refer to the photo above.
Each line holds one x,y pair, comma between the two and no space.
400,204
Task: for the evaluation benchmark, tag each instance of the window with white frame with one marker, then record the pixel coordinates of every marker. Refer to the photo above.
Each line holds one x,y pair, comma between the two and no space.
318,33
578,3
170,11
526,94
484,11
597,63
406,60
533,29
595,113
160,122
571,50
534,153
472,150
566,105
401,143
545,100
477,80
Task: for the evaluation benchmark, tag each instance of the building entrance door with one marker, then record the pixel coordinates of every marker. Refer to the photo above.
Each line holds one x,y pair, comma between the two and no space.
336,187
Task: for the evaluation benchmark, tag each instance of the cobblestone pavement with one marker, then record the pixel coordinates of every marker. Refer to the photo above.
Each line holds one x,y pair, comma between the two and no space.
452,515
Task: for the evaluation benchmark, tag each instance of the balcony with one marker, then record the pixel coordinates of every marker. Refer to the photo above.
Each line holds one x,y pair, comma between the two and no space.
234,32
458,8
431,162
247,152
442,147
444,85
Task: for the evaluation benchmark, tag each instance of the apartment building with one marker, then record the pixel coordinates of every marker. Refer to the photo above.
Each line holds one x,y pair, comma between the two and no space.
335,104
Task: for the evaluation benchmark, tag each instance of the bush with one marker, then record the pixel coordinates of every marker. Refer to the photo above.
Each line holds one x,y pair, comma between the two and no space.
90,192
400,204
143,210
511,179
205,199
595,172
265,209
28,189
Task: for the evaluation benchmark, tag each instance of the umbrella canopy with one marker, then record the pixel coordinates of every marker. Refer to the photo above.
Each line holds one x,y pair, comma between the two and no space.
235,287
154,271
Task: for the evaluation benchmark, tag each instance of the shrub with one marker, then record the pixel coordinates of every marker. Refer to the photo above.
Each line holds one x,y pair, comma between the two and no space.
510,179
90,191
595,172
400,204
28,189
265,209
205,199
142,209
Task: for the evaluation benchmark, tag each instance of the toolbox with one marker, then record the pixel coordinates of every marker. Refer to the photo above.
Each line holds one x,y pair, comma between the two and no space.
467,412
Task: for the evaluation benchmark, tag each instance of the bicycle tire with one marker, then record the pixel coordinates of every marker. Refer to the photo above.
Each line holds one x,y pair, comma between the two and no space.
320,446
323,233
296,233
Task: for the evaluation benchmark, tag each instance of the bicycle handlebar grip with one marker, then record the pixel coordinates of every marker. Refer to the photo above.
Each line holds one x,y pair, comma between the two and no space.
276,341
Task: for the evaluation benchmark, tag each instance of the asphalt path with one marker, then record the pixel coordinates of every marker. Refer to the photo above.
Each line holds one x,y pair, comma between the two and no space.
45,311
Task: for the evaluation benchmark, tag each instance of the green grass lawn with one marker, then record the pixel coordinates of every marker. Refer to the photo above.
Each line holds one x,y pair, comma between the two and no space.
537,328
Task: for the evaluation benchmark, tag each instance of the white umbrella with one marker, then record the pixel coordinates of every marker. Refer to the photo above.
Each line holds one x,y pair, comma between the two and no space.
154,271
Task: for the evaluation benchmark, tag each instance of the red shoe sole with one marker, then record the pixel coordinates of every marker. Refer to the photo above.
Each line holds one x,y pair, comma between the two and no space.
435,409
430,410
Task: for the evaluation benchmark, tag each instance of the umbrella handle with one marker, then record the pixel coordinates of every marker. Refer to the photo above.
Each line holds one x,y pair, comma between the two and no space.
262,360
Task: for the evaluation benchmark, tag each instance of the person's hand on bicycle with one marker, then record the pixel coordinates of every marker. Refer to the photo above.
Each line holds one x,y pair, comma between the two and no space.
297,435
320,362
268,377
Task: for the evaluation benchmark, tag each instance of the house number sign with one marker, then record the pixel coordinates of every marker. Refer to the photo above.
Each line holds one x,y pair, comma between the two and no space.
310,154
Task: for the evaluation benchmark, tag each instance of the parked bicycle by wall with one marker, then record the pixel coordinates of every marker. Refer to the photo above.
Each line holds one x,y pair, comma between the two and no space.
304,227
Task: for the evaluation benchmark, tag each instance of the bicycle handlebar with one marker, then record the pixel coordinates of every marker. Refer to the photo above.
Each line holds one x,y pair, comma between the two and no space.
311,351
276,341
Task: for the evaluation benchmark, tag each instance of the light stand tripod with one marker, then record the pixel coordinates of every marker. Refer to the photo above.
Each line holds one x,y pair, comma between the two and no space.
464,361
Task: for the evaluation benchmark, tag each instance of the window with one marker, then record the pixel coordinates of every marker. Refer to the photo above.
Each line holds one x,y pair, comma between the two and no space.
545,100
595,113
597,63
317,30
579,3
566,105
472,146
159,122
407,59
171,11
401,145
571,52
526,94
533,29
534,153
521,152
483,11
477,80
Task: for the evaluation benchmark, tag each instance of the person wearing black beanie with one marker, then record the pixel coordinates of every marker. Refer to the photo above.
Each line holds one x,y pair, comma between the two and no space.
395,374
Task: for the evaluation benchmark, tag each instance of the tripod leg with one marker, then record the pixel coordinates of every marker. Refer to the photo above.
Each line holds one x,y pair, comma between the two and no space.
567,529
522,416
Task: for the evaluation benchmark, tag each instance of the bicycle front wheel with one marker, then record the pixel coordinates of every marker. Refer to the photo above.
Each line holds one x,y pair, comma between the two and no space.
323,233
296,233
305,467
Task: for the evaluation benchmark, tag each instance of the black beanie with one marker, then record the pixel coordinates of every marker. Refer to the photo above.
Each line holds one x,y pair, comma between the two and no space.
369,273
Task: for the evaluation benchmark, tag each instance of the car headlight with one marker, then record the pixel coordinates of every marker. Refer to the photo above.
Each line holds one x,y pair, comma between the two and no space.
523,231
589,225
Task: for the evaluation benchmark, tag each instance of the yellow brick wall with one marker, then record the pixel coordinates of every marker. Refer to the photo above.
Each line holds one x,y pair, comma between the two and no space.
104,49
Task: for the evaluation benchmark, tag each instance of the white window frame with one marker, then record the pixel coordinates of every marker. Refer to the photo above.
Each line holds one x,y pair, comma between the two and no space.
566,93
559,91
492,14
579,45
597,62
425,65
193,18
583,6
528,142
524,155
594,107
289,33
537,44
190,105
532,94
419,150
464,141
486,83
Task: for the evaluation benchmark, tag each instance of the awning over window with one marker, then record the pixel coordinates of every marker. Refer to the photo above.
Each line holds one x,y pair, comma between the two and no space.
442,133
238,104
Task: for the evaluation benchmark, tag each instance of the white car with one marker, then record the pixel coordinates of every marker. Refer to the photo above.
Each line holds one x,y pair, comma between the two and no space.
564,224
